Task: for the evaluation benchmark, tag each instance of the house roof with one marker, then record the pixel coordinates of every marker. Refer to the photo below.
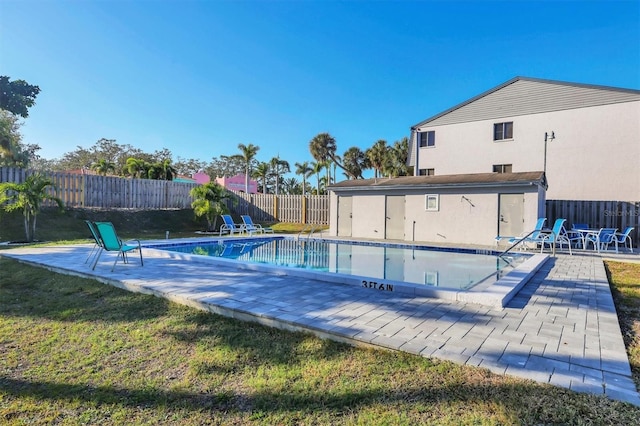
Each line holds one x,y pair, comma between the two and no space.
531,95
431,182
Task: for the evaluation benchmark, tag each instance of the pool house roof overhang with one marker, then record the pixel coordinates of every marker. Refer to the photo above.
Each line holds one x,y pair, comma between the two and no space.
473,180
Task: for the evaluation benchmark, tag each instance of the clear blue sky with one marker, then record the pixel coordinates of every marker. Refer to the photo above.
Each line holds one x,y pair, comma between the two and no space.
200,77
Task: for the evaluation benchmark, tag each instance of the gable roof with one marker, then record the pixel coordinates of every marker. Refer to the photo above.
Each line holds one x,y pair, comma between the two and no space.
523,95
441,181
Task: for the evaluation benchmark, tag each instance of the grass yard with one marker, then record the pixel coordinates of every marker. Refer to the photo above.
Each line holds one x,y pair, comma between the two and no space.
74,351
142,224
625,283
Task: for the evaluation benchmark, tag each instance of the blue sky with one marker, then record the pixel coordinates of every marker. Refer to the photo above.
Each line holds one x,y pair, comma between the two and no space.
200,77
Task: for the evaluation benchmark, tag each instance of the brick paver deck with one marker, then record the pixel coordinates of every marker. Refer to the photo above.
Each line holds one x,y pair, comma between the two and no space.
561,328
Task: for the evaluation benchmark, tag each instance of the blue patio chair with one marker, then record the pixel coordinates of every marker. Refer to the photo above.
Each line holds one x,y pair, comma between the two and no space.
111,242
576,234
249,225
534,236
624,237
230,226
602,239
557,236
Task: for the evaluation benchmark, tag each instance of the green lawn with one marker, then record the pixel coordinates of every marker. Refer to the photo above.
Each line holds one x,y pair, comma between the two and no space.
625,280
53,225
74,351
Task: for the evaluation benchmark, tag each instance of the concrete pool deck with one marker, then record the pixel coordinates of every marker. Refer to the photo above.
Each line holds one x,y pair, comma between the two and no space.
561,328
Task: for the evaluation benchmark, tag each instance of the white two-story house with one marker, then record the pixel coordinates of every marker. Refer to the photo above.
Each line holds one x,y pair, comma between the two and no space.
585,138
493,165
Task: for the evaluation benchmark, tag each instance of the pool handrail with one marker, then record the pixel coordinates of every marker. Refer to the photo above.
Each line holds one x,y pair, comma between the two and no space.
311,228
523,239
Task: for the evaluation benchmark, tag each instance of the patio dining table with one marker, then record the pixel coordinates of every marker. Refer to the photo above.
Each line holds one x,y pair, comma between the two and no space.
592,234
584,235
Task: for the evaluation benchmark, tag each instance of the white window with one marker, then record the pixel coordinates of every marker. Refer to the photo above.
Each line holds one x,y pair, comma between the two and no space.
432,202
502,168
503,131
431,278
427,139
426,172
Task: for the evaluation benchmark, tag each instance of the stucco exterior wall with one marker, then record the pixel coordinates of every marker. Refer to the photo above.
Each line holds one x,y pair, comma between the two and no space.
457,220
594,155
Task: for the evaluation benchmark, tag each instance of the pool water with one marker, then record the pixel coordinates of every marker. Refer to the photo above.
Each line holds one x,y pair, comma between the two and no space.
373,264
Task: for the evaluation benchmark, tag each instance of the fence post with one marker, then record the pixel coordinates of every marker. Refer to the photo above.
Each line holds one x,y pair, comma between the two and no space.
304,209
275,207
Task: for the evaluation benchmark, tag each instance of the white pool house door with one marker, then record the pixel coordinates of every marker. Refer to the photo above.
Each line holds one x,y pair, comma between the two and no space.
511,215
394,222
345,214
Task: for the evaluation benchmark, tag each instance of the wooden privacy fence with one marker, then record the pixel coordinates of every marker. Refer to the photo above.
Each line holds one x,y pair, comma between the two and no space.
95,191
598,214
312,209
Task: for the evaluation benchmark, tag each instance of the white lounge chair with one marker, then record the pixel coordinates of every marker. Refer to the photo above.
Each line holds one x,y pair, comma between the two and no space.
249,225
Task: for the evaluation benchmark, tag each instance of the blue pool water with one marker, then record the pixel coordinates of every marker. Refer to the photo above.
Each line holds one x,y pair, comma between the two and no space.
456,269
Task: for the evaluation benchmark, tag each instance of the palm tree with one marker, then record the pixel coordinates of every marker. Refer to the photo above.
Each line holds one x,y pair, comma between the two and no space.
304,170
247,156
323,147
316,168
279,167
378,156
397,158
28,196
137,168
208,202
168,172
262,172
355,162
292,186
334,166
102,167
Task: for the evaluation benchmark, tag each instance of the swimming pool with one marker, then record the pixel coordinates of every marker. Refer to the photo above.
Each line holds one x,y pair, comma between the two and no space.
433,271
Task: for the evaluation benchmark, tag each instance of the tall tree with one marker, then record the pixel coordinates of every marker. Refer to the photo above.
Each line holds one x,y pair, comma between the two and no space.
17,96
247,156
316,168
189,167
355,162
334,166
292,187
28,196
323,147
12,151
378,156
398,155
107,149
262,172
278,168
303,170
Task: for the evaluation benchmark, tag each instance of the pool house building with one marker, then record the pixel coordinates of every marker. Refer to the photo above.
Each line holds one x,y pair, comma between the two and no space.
447,209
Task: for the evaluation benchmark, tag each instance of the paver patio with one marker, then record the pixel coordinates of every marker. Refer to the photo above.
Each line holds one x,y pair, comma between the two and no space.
561,328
